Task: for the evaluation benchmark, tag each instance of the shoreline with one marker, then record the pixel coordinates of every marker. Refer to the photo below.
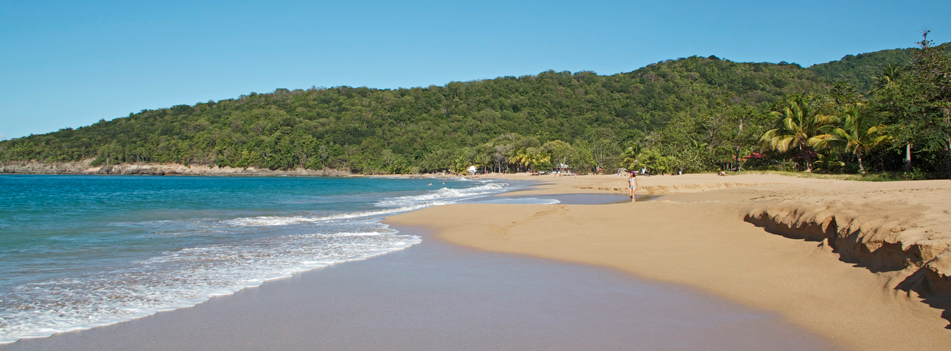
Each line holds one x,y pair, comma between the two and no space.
694,233
701,234
64,327
437,295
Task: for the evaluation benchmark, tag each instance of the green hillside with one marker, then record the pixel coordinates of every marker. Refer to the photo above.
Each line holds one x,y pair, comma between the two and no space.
421,129
860,70
714,107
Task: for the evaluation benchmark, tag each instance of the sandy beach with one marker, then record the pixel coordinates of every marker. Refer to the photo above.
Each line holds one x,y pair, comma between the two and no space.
699,231
746,262
440,296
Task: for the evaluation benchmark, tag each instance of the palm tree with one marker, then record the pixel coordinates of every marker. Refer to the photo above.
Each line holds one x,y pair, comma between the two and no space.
540,158
532,157
888,91
629,158
889,76
527,157
856,133
798,127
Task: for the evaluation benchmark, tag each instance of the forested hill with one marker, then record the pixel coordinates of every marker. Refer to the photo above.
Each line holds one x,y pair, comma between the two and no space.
860,70
434,128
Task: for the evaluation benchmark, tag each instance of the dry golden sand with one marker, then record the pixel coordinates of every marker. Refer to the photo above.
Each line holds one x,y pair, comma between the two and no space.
695,234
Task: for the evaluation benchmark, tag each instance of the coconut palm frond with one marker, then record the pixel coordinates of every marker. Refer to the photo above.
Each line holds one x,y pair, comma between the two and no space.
821,141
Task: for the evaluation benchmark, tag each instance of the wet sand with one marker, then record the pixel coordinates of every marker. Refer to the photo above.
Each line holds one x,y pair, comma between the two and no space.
681,271
695,235
581,199
438,296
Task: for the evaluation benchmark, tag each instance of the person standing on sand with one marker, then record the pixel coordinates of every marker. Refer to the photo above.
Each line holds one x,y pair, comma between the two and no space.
632,185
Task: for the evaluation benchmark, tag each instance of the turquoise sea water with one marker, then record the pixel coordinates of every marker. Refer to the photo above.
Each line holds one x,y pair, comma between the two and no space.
83,251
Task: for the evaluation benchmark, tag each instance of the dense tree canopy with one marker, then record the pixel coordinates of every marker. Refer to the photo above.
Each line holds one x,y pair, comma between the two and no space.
861,71
690,114
424,129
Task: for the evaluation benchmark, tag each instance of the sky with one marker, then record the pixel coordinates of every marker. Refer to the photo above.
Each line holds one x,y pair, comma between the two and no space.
70,63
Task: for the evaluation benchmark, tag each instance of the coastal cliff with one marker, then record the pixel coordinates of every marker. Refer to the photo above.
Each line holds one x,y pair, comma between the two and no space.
85,168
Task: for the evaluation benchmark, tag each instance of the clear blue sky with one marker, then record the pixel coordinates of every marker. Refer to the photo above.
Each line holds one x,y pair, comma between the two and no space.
71,63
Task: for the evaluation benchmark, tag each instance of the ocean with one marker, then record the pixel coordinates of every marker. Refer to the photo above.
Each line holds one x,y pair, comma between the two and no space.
78,252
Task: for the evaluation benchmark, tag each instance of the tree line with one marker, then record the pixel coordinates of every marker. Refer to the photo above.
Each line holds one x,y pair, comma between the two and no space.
904,115
691,114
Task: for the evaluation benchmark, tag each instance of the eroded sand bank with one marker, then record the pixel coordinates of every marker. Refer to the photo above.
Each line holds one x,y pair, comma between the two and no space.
699,233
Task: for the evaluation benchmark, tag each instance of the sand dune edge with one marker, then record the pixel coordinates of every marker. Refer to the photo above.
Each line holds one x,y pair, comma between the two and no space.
700,233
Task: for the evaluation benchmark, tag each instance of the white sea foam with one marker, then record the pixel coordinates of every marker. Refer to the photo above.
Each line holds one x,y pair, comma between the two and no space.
444,196
262,221
188,276
179,279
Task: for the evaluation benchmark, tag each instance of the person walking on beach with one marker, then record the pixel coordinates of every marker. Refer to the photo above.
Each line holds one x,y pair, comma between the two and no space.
632,185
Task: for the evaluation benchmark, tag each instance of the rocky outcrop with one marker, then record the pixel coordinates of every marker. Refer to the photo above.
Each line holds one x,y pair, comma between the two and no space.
883,237
44,168
85,167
